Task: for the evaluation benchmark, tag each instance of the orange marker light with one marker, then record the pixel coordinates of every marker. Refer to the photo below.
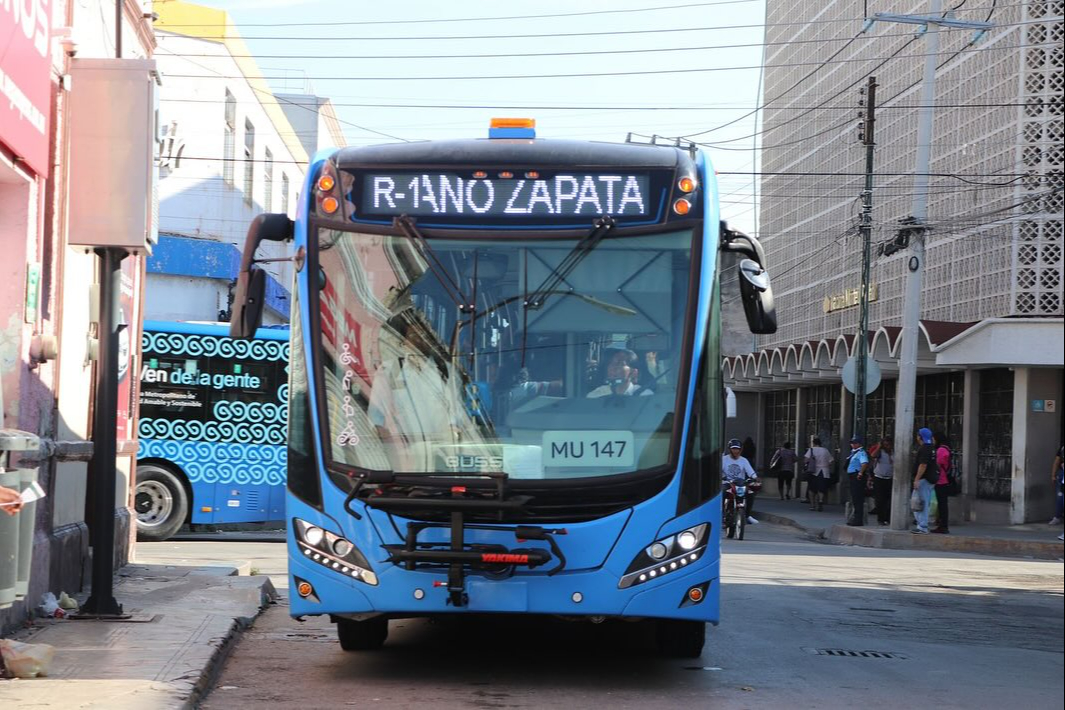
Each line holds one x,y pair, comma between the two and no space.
513,123
304,589
682,206
506,175
686,184
330,205
532,175
480,175
326,183
695,594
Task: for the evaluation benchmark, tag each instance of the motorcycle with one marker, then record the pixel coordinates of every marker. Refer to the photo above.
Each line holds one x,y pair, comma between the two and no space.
734,514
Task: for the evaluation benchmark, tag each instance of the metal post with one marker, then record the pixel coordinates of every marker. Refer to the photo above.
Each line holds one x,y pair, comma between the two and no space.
102,469
907,385
868,136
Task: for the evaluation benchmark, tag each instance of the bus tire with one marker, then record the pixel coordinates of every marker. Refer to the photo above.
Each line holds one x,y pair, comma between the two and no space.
159,502
679,638
366,635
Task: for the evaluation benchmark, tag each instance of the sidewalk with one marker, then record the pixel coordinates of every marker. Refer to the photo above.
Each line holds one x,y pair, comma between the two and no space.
1031,540
183,621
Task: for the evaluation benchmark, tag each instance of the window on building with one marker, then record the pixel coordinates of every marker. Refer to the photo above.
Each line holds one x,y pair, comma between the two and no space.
780,407
880,412
229,153
284,193
249,161
822,415
268,181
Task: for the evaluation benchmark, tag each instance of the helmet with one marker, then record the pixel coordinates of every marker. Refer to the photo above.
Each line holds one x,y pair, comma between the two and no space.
734,444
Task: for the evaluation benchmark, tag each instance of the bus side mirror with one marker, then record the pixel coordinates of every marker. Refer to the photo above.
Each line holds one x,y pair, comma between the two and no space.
757,296
755,289
249,296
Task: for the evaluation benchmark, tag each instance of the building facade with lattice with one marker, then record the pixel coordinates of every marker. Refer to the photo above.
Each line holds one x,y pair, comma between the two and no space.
990,351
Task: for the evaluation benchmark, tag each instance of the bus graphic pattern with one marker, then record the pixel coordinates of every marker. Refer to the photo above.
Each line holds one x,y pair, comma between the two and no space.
239,442
209,346
203,462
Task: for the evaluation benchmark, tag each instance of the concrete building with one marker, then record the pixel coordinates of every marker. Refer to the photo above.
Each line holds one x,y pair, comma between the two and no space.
46,354
228,153
990,350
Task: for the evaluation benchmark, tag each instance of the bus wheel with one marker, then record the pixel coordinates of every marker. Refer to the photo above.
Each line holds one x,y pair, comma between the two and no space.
366,635
681,639
160,503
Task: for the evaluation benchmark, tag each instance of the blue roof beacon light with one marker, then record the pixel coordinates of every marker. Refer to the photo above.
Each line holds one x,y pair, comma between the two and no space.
512,128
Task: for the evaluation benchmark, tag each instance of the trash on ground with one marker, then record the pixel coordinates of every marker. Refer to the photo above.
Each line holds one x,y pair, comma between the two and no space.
67,602
26,660
50,608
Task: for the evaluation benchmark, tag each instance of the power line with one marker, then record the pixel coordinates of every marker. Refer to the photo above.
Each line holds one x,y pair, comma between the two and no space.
511,77
615,108
467,19
163,34
526,55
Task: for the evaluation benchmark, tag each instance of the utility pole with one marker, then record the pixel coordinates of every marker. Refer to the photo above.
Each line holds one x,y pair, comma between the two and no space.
101,603
906,390
867,136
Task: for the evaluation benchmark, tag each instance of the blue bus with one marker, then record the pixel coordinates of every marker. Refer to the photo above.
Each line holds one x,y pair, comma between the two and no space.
505,392
211,427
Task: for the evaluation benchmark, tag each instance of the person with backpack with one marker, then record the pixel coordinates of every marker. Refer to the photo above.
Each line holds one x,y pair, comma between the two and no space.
1057,474
783,464
942,482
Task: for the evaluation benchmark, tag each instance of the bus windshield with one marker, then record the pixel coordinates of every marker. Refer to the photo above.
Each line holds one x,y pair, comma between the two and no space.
433,359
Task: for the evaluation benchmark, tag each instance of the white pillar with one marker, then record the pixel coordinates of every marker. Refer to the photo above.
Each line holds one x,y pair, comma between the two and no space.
759,434
1018,489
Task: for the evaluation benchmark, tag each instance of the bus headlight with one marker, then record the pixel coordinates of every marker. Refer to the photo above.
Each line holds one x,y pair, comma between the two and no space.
666,555
314,535
332,552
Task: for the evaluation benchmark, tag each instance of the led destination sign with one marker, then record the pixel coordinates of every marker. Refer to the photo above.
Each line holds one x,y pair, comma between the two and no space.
452,195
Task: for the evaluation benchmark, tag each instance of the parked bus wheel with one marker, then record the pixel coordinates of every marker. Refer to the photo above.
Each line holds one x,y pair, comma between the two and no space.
366,635
678,638
160,503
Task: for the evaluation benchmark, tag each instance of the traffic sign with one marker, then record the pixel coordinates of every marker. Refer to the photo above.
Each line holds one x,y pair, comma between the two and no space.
850,375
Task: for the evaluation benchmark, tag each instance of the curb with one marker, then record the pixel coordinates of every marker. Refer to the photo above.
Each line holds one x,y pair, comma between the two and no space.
905,540
211,669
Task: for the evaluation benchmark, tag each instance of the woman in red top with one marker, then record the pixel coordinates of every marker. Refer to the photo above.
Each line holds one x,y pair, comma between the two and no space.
942,489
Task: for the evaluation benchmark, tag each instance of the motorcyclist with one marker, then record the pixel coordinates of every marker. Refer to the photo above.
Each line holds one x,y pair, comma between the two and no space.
735,468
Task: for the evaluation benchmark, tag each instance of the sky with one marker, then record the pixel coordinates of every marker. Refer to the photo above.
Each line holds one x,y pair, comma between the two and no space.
584,69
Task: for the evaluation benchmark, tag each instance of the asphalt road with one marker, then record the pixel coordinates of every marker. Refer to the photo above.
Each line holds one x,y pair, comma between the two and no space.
805,625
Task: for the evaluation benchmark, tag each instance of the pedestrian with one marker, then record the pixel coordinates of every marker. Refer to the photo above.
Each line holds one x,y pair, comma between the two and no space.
784,464
857,468
883,473
749,450
820,459
923,471
942,482
1057,474
10,500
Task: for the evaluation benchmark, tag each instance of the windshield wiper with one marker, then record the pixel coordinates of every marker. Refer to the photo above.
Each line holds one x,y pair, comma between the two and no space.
600,228
406,224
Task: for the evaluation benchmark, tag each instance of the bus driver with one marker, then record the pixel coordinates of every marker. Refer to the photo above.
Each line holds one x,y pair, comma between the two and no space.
621,377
